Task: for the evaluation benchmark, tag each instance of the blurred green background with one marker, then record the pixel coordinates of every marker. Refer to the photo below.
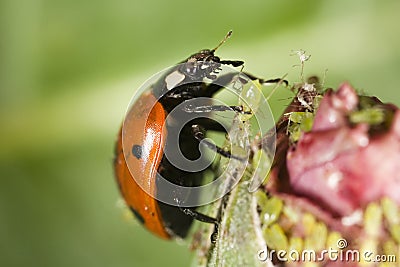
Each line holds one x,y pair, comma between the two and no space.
68,69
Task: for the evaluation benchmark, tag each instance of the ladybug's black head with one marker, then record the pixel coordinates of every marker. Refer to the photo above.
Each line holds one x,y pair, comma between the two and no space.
204,63
204,55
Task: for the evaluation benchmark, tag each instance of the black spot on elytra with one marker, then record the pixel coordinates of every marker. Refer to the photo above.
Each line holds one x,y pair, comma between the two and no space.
137,151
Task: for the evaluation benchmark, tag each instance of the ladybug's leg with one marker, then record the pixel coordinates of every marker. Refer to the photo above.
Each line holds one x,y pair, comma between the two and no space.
199,216
224,80
198,133
218,84
209,124
205,109
234,63
203,218
263,81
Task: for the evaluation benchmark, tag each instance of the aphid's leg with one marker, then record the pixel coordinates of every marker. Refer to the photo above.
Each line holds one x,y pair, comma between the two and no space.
198,133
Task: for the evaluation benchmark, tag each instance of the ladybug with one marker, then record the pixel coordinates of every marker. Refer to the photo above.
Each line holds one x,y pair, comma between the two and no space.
145,133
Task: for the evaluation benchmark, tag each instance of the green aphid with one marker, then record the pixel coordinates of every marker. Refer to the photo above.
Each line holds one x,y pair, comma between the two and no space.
271,210
294,132
371,116
390,211
395,232
373,220
299,122
296,243
275,237
332,240
309,223
291,214
317,238
261,198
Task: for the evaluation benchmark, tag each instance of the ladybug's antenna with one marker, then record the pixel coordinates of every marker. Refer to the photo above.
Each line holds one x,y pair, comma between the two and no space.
223,40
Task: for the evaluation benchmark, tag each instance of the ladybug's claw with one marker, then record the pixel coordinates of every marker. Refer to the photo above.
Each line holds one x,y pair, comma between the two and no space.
198,133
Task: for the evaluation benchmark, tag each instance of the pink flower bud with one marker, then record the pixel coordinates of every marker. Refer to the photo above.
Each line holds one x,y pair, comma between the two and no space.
345,165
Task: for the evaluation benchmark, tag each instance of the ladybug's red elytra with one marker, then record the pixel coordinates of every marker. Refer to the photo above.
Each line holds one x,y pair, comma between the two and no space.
143,206
146,147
